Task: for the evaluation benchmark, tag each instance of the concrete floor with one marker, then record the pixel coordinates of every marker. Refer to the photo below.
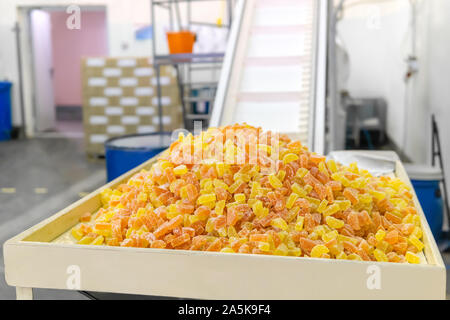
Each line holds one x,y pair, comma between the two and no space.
38,177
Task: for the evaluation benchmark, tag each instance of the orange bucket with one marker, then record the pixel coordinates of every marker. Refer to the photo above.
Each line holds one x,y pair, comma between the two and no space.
180,42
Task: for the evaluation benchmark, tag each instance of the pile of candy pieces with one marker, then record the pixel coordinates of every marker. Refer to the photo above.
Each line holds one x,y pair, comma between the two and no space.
278,199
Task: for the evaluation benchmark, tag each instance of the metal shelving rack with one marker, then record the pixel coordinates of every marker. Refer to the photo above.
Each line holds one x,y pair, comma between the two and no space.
186,64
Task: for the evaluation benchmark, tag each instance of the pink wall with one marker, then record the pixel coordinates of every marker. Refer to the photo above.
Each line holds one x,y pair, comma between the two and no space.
69,46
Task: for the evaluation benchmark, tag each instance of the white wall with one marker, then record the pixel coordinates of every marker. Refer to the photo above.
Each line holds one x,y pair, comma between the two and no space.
377,67
123,17
378,38
439,73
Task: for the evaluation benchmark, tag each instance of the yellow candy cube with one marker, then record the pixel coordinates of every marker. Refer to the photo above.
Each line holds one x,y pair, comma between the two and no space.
290,157
301,172
180,170
98,241
331,164
330,235
412,258
318,251
239,197
76,233
281,174
416,242
281,250
86,240
320,230
322,206
299,190
222,232
193,219
256,186
295,252
261,212
323,168
235,185
330,210
220,184
355,257
334,223
380,255
209,226
299,224
380,235
220,167
264,246
206,198
341,256
219,206
418,232
279,223
275,182
344,204
291,200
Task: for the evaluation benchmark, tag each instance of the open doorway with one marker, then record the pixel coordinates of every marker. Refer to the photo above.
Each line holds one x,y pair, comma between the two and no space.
56,53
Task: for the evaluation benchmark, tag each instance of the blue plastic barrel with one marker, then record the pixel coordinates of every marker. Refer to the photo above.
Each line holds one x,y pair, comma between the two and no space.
127,152
426,183
5,110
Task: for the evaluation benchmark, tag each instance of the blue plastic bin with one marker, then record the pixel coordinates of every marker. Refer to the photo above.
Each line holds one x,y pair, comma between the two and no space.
127,152
5,111
426,183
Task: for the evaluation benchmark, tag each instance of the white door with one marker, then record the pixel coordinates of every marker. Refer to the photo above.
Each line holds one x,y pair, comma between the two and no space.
40,24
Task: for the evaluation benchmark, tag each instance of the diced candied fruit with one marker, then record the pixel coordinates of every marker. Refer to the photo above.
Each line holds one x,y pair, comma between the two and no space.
77,233
259,210
380,255
299,223
331,164
291,200
301,172
281,250
322,206
295,252
98,241
87,239
288,158
180,170
206,198
352,195
239,197
227,250
412,258
341,256
416,242
299,190
380,235
282,200
85,217
275,182
354,256
318,251
330,210
334,223
279,223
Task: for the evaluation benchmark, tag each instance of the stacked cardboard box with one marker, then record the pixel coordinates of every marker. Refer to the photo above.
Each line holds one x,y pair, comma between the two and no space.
120,97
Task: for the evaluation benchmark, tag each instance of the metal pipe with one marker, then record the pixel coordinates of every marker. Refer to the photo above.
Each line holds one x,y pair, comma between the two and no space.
159,93
334,101
177,12
19,67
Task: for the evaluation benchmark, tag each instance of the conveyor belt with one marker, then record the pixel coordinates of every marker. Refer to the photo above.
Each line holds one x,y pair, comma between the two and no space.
274,69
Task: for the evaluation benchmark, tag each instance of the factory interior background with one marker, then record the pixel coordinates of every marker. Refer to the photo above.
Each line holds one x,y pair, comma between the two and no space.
386,77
